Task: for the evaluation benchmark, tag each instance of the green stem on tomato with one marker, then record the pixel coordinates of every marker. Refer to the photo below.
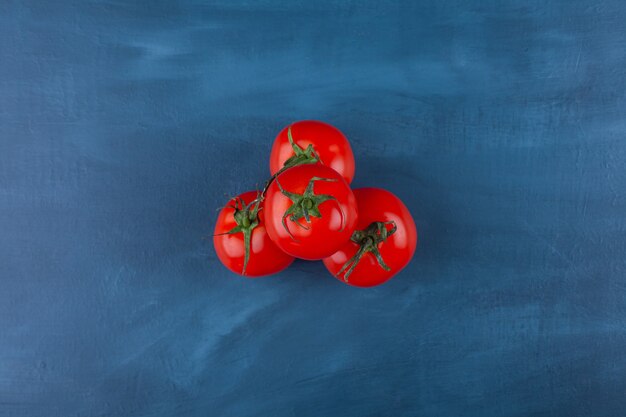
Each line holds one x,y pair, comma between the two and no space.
368,240
247,218
306,205
300,157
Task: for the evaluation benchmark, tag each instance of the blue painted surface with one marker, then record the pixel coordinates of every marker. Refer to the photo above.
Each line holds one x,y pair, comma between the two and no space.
501,124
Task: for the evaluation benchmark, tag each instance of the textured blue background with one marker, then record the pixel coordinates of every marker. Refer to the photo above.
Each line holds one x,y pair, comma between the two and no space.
502,126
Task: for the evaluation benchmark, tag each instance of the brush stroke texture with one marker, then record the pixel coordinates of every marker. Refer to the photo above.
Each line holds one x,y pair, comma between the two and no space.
501,124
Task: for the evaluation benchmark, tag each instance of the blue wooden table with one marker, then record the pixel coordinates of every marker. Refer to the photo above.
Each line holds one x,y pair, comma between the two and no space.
502,125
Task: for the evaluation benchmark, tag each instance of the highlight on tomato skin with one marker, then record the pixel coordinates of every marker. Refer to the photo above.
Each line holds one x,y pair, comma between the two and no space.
326,141
383,244
265,258
310,211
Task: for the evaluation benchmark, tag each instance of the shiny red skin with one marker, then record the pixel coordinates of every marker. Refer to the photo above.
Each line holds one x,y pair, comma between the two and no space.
265,257
376,204
330,144
324,236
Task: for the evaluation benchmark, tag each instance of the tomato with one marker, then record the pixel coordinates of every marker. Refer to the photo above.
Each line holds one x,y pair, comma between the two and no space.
310,211
384,241
241,240
312,142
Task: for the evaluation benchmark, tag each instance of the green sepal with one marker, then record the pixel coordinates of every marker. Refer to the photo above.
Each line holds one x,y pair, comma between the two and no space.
300,156
368,240
247,218
306,205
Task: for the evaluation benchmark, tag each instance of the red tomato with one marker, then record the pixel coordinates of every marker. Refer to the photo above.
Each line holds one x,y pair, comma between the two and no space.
240,226
313,141
384,241
310,211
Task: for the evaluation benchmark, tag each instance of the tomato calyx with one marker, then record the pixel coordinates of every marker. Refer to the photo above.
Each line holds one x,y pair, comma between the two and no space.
247,218
301,156
306,205
368,240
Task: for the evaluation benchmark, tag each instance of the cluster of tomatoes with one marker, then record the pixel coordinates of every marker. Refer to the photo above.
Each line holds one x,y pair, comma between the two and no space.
307,210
